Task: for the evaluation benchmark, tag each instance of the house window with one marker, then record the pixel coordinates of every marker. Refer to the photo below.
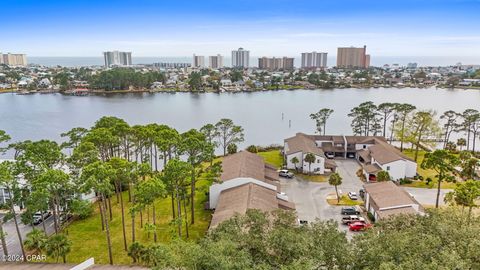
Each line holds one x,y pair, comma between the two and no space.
318,160
364,146
388,168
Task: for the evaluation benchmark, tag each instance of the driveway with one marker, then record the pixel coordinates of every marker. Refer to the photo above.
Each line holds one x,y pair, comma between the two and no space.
13,244
310,197
428,196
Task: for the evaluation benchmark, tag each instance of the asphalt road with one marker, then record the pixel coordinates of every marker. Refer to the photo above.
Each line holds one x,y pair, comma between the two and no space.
13,244
427,196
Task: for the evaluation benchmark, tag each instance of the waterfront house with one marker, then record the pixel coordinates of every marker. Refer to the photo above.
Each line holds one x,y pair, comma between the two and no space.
300,146
385,199
373,153
246,182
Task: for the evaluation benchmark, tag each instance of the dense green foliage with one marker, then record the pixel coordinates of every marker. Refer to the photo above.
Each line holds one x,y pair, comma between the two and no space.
123,78
439,240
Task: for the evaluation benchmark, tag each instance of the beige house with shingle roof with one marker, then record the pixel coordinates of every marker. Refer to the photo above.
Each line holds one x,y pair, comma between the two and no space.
385,199
299,146
247,182
373,152
381,156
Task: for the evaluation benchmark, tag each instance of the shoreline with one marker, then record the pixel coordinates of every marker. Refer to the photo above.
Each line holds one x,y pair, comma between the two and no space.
173,91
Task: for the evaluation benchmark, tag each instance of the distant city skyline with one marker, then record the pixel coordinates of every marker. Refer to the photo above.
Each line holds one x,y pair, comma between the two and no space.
265,28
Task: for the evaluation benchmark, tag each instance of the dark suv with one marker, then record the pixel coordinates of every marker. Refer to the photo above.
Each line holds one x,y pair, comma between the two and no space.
350,210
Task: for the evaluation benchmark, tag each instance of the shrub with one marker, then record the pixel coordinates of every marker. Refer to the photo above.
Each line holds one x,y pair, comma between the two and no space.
405,181
252,149
36,239
82,209
371,217
232,148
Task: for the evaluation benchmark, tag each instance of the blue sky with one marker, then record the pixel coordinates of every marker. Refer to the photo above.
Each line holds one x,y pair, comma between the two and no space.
265,27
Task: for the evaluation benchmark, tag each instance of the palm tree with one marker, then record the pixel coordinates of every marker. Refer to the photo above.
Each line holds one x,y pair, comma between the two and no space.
35,240
310,158
335,180
58,246
383,176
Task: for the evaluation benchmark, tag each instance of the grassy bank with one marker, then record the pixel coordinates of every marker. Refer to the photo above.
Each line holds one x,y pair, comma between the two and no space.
425,173
88,240
273,157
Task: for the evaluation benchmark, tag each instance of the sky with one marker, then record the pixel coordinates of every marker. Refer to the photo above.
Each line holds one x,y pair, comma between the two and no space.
265,27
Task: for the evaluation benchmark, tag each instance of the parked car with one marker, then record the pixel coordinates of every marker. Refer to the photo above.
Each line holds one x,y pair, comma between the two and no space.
350,155
329,155
350,210
351,219
285,173
359,226
38,217
352,195
361,192
302,222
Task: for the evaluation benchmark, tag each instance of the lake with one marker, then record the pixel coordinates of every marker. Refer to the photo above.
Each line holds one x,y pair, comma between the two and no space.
259,113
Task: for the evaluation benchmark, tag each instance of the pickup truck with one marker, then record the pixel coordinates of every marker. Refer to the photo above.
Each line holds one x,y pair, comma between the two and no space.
353,218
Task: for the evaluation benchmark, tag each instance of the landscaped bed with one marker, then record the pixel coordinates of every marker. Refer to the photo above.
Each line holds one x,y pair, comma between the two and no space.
344,200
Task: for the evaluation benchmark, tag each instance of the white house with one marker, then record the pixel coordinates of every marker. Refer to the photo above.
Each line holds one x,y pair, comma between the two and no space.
299,146
383,157
373,153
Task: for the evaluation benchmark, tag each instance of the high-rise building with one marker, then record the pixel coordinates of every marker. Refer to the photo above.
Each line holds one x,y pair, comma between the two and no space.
13,59
215,61
173,65
351,57
117,58
240,58
198,61
413,65
267,63
314,60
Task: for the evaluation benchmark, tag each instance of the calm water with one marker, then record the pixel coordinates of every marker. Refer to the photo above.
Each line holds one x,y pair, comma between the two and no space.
46,116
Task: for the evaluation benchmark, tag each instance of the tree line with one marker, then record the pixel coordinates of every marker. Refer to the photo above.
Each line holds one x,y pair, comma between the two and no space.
405,123
149,162
124,78
442,239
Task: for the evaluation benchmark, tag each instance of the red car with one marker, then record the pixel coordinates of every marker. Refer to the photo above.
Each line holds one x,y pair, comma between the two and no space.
359,226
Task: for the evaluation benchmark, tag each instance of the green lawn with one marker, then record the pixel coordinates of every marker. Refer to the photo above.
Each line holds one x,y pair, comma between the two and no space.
425,173
432,184
273,157
88,240
421,155
344,201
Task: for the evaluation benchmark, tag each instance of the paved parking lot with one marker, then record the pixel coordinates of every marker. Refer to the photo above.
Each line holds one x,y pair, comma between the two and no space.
310,197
